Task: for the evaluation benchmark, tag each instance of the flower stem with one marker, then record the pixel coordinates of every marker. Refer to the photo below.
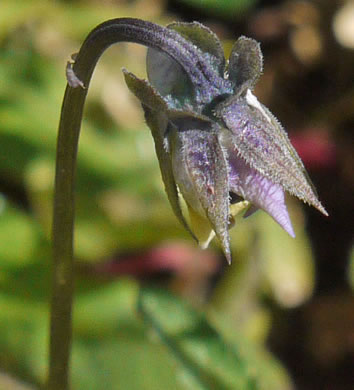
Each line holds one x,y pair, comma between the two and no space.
63,225
79,73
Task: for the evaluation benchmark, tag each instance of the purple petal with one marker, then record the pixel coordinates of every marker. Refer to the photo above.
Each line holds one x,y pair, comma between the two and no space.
256,188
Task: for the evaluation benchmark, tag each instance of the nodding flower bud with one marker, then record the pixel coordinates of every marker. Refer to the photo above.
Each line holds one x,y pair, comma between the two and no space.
217,145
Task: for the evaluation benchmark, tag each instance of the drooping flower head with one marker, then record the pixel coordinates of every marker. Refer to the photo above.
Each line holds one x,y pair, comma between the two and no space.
217,145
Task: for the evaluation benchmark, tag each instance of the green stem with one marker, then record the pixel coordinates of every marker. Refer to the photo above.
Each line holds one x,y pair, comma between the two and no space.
63,225
79,75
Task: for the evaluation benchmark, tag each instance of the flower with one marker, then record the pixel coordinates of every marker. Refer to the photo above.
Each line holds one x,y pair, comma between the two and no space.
217,145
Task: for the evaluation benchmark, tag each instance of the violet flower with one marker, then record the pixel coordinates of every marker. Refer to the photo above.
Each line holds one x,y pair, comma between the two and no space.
216,143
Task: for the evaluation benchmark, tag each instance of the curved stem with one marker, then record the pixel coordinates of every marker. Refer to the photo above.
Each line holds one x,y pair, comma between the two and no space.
79,76
63,225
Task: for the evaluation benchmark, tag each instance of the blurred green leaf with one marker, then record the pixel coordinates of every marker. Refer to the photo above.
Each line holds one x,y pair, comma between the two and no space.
287,263
114,346
227,8
19,236
209,360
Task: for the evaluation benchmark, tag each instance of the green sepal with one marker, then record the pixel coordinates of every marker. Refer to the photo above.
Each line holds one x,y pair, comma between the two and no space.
169,78
146,93
276,159
205,39
245,63
156,118
200,170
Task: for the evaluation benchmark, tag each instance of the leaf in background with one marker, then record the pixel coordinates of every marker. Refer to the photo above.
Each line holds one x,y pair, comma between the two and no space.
226,8
22,323
207,358
19,237
111,349
287,264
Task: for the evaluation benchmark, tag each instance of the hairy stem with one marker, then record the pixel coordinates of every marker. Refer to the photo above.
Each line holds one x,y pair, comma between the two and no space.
79,74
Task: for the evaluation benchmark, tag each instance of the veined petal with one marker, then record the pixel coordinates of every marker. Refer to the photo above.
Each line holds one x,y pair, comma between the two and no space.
259,190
